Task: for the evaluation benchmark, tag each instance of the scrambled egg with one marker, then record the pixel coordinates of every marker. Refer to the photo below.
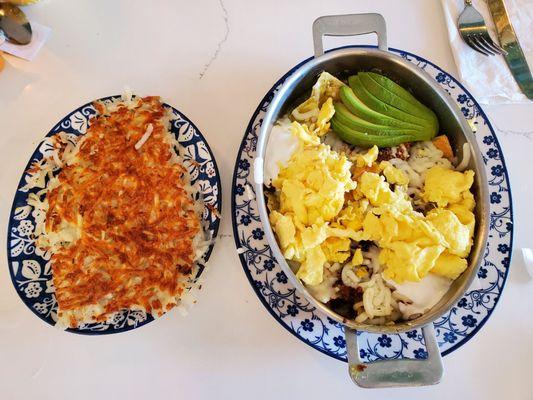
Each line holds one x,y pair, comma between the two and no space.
312,188
352,215
313,184
323,207
449,265
367,159
456,235
311,111
326,113
357,258
445,186
311,133
413,244
337,249
392,174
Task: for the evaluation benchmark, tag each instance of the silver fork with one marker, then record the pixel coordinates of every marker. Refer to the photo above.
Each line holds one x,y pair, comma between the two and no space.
474,31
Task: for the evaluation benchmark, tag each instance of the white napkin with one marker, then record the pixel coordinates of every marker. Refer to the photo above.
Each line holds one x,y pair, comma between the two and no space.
40,34
489,78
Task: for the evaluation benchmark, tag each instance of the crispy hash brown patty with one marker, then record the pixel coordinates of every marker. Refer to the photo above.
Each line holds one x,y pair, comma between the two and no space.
124,195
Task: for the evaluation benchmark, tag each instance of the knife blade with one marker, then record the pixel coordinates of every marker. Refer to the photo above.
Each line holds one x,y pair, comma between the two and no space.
515,57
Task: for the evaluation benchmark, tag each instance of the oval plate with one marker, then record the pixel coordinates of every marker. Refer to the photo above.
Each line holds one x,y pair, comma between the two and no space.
30,268
300,318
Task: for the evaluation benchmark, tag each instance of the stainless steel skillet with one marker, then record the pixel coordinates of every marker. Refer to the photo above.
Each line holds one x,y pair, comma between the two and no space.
342,63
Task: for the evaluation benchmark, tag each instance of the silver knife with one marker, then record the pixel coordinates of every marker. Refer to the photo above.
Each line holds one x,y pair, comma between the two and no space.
515,56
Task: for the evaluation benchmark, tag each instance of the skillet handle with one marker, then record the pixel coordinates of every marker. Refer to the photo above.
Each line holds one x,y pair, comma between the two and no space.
395,373
349,25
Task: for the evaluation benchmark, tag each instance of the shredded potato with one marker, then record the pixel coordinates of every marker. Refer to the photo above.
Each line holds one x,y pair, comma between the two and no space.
119,219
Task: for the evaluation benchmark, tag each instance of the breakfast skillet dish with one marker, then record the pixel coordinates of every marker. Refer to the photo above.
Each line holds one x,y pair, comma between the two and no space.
119,219
368,202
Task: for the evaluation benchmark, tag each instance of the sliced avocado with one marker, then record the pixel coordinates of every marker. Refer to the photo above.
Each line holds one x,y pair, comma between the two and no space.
360,109
389,84
396,97
352,121
377,105
366,140
391,98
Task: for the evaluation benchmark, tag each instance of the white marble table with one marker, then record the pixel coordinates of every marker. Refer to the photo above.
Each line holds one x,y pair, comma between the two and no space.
214,60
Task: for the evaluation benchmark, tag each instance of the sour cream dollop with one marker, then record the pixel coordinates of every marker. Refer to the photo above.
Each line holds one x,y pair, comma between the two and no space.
423,295
282,144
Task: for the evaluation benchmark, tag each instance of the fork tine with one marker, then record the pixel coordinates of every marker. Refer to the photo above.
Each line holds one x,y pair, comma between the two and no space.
471,43
487,44
480,43
492,44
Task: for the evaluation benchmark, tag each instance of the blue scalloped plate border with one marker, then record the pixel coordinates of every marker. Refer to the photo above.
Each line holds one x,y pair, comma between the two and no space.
382,346
206,172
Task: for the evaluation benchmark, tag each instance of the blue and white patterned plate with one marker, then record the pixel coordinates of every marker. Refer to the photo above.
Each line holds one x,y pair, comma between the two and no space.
30,268
300,318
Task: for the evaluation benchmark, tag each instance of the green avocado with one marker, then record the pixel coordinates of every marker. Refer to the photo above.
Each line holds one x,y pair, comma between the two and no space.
361,110
367,140
394,98
429,126
393,87
345,117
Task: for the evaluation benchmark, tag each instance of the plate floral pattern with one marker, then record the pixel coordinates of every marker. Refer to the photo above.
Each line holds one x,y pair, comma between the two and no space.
30,267
300,318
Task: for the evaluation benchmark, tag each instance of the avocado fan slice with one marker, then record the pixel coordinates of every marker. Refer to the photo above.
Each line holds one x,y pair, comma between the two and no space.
392,99
352,121
380,106
392,86
367,140
360,109
396,98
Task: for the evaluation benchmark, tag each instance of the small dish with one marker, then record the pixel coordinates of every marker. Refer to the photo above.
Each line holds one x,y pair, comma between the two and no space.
30,268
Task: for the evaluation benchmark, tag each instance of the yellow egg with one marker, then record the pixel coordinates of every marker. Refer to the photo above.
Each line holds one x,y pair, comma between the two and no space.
361,272
375,189
292,199
284,228
306,111
449,265
313,236
311,270
467,201
372,228
326,86
336,249
309,112
388,227
325,114
303,134
312,188
456,235
320,208
445,186
407,261
352,215
286,233
314,183
367,159
393,175
410,242
357,258
334,231
464,215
